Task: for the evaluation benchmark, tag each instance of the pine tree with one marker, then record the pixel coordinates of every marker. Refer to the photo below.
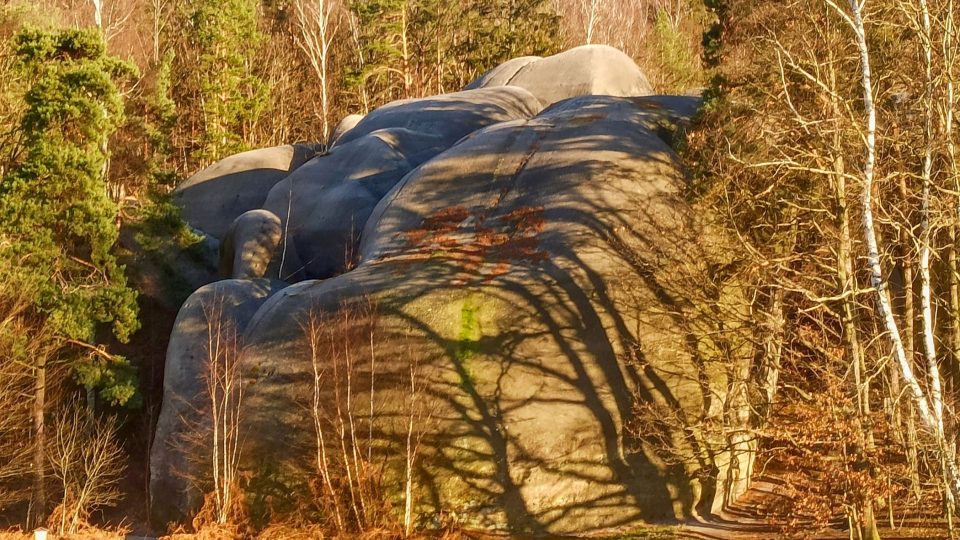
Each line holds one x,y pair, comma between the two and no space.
383,62
159,122
59,226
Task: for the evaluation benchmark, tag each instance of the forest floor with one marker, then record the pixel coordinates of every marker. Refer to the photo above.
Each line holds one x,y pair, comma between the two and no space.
747,519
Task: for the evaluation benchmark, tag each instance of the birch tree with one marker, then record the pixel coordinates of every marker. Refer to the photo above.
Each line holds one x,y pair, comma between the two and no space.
930,413
318,22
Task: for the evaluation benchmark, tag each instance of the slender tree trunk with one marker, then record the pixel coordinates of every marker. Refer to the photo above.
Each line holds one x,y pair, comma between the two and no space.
324,83
98,14
317,28
404,38
592,15
772,349
928,414
949,55
867,520
911,444
38,502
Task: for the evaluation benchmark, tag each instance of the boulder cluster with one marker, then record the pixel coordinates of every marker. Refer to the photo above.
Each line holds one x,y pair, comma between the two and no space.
511,276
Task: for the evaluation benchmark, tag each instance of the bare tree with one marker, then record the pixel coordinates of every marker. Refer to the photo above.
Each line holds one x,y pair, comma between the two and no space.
224,393
932,416
350,462
24,351
87,460
591,9
318,22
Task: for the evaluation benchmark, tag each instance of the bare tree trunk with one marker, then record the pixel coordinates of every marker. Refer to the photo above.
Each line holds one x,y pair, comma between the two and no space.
928,414
404,39
848,288
157,23
910,441
411,456
318,27
933,368
38,499
593,12
98,13
949,55
773,349
314,332
929,347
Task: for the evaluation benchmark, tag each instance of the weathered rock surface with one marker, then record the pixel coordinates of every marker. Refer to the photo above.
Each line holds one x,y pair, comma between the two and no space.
219,310
211,199
588,70
534,294
504,73
322,207
549,279
349,122
260,232
448,116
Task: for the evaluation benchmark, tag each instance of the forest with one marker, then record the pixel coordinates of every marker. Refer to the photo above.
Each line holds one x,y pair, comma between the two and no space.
822,155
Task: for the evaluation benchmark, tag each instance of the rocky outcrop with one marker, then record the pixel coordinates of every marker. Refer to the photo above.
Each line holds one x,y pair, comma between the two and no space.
218,311
349,122
529,295
551,280
211,199
321,208
590,70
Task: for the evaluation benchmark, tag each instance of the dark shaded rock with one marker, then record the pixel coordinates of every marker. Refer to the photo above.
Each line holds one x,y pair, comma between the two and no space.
211,199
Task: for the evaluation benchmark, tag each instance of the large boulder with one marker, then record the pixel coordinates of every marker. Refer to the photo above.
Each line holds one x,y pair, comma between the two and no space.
502,74
217,312
259,233
321,208
521,311
558,308
582,71
211,199
448,116
349,122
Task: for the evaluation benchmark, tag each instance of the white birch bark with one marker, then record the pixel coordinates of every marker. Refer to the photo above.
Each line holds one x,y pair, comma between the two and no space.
592,16
98,13
318,26
929,345
927,415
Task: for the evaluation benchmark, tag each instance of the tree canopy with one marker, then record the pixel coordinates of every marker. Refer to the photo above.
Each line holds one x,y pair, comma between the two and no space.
60,226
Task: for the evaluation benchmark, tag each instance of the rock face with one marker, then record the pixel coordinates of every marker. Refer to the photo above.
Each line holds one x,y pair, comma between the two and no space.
534,304
322,207
211,199
449,117
549,278
349,122
229,305
582,71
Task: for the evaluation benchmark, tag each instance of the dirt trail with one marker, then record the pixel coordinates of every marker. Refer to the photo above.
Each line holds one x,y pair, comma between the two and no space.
746,519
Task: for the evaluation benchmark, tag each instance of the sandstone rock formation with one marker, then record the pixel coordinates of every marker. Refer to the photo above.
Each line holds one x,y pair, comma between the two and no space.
317,212
533,292
349,122
211,199
226,305
589,70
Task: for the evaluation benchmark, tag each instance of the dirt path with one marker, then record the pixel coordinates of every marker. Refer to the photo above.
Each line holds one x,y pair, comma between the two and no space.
746,520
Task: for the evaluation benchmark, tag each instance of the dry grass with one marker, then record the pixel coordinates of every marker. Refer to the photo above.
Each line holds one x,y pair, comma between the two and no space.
282,531
86,533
